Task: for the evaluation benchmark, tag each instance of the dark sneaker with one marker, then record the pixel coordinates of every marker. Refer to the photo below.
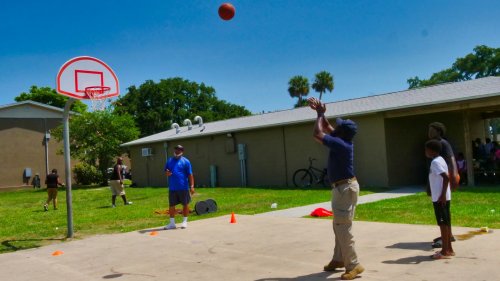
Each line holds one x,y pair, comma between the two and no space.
437,244
439,239
353,273
128,203
333,265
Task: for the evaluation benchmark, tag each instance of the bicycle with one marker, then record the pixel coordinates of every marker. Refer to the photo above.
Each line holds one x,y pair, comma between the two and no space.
306,177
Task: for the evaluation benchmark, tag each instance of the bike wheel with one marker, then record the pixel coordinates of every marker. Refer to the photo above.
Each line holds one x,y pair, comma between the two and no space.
302,178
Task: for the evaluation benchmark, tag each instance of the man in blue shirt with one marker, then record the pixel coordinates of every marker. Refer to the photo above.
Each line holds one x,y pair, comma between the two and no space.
180,185
345,188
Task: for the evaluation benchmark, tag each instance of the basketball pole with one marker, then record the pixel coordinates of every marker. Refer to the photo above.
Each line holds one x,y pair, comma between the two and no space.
67,166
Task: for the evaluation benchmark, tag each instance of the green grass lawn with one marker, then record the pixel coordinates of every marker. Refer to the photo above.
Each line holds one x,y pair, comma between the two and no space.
470,206
24,224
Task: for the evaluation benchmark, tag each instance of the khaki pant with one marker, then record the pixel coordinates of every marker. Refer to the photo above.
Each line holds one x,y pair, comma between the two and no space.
344,200
116,187
52,193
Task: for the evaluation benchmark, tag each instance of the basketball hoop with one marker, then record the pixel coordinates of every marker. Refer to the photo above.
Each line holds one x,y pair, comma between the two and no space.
97,95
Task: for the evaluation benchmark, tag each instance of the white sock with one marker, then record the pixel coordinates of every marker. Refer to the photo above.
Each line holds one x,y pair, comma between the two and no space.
172,220
185,219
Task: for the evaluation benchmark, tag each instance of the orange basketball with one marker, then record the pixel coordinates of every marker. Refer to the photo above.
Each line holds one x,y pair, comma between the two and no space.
226,11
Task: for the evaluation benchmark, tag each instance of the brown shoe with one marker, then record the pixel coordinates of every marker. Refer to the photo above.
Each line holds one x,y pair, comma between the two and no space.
353,273
333,265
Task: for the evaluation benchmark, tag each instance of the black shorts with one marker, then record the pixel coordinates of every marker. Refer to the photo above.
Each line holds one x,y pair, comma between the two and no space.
176,197
442,212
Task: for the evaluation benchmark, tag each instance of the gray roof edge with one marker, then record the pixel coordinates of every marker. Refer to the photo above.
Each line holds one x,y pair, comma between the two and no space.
35,103
428,87
359,113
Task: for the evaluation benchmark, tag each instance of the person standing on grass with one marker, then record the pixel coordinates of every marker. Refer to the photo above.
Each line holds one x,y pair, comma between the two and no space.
180,185
441,196
116,183
345,187
52,181
437,131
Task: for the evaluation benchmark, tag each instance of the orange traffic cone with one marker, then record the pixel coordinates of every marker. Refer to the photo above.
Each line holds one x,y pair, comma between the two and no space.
57,253
153,233
233,219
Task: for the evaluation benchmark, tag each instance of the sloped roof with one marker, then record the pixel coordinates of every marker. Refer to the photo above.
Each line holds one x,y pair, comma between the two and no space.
34,110
437,94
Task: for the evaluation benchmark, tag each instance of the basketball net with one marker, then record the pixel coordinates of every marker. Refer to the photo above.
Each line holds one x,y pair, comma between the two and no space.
97,95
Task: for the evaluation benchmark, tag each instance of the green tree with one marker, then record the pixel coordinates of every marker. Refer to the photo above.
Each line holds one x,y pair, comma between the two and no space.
95,137
49,96
483,62
298,87
323,82
155,106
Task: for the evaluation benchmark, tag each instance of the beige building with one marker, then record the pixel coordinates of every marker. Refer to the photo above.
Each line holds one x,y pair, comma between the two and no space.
388,147
23,128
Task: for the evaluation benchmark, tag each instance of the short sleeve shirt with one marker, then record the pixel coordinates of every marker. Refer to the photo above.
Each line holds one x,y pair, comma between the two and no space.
181,169
446,151
438,166
340,158
51,180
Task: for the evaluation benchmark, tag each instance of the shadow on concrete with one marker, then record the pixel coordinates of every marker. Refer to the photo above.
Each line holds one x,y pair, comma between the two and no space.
150,230
314,276
410,260
411,246
10,244
117,274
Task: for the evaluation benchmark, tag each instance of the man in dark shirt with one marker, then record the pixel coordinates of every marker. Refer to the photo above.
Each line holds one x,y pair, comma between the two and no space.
345,187
52,181
437,131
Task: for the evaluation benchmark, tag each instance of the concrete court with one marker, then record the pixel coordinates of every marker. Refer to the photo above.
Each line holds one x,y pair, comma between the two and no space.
255,248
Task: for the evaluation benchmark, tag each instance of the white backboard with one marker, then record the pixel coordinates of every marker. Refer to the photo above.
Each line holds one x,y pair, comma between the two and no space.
82,72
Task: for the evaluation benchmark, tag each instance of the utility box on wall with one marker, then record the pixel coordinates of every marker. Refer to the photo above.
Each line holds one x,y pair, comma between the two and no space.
27,172
242,151
26,175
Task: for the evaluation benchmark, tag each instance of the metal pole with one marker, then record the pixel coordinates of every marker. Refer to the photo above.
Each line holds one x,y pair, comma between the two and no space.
67,166
46,142
46,157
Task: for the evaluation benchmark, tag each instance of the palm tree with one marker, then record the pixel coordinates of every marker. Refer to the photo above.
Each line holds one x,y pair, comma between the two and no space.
323,82
298,86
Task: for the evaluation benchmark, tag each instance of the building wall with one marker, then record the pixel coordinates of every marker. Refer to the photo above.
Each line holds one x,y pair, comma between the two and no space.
22,147
300,146
148,170
273,155
405,139
388,152
370,151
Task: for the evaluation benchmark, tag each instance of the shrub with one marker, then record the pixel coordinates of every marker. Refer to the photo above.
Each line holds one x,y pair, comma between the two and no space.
86,174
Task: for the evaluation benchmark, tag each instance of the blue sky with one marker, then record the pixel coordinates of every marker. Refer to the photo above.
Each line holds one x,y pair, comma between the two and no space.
370,47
